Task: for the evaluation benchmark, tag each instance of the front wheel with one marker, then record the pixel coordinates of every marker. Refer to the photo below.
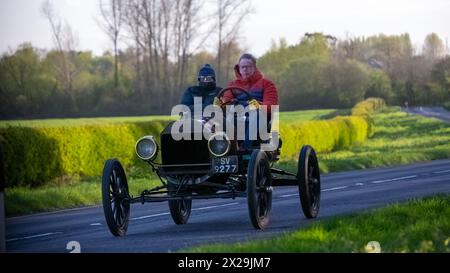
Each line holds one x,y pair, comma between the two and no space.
115,197
180,210
259,190
308,177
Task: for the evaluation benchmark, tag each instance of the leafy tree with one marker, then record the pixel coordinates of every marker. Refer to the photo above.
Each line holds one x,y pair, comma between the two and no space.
302,84
24,83
433,47
349,81
440,79
379,86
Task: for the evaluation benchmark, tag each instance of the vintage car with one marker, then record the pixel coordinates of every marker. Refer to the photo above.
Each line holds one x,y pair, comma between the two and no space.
209,168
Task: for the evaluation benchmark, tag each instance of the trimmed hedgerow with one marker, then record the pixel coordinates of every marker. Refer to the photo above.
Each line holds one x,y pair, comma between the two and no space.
368,107
328,135
324,136
34,156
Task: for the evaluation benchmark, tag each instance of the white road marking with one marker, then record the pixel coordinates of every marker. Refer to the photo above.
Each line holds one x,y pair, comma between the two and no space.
32,237
167,213
394,179
446,171
373,182
289,195
324,190
150,216
96,224
218,206
335,189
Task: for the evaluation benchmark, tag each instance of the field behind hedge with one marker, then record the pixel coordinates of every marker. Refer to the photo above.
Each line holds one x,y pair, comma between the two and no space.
35,153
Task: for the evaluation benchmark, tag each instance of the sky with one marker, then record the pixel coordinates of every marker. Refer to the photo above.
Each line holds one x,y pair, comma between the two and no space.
21,21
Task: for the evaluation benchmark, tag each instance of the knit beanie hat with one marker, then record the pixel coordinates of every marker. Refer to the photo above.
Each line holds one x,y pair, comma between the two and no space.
207,70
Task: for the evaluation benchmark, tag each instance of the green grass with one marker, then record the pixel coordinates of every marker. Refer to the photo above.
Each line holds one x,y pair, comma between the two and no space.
301,116
418,226
295,116
77,192
77,121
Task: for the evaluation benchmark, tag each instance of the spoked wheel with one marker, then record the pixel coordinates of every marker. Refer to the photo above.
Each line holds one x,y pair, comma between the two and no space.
116,204
308,177
180,210
259,189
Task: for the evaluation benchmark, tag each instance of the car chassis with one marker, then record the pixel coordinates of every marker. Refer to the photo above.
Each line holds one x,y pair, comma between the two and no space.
232,174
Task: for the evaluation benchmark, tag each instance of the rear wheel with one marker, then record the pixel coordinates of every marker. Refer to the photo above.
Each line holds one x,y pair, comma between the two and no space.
259,190
180,210
115,197
308,177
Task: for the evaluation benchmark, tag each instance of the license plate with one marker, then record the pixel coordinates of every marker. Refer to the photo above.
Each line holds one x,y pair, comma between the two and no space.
228,164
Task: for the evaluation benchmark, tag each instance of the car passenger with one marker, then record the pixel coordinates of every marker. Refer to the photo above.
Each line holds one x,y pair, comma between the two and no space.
206,88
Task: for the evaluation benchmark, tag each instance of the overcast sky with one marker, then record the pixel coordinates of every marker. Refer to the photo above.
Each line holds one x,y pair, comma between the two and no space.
21,21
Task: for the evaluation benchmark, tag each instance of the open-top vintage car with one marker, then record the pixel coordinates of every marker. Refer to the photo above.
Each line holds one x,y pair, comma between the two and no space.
217,167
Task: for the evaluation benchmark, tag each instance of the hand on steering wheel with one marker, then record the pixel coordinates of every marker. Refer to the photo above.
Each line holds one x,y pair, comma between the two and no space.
253,103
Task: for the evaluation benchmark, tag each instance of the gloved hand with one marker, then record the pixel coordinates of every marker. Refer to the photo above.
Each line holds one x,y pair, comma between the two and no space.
253,104
218,102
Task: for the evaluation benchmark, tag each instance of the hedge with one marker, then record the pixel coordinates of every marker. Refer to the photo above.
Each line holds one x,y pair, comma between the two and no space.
323,135
368,107
37,155
34,156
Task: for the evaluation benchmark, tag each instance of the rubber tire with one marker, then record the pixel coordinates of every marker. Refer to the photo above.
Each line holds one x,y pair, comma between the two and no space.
175,206
307,194
179,216
259,222
116,229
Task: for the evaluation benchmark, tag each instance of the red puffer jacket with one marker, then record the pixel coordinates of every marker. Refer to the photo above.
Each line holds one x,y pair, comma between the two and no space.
263,90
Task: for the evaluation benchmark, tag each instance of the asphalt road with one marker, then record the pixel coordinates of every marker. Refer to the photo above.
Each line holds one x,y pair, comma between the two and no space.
431,112
151,228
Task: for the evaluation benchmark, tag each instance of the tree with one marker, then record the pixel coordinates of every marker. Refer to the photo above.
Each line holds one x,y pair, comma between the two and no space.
303,83
25,83
440,79
229,15
65,43
113,15
433,47
379,86
352,81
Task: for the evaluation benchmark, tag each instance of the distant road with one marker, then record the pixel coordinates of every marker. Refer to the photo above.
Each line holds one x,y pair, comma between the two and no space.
431,112
151,228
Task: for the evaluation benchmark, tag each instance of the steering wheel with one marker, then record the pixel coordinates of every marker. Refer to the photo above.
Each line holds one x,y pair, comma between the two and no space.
233,90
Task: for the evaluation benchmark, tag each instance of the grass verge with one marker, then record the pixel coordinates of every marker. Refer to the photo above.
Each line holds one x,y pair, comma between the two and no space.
418,226
78,193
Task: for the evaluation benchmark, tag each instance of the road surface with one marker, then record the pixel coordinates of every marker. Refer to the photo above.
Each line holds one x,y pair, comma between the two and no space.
431,112
151,228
